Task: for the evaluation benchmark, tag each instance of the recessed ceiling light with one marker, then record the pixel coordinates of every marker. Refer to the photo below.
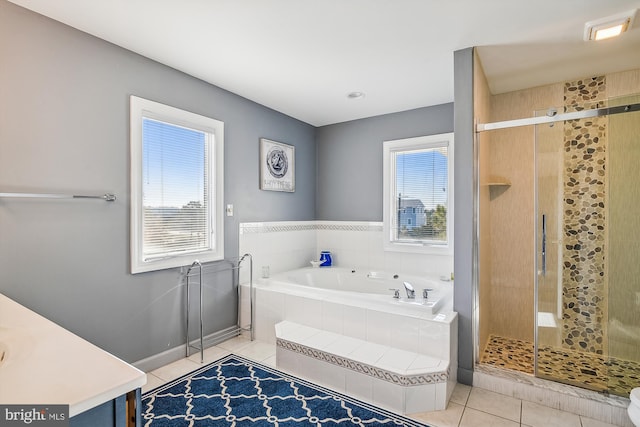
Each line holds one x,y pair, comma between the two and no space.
608,27
355,95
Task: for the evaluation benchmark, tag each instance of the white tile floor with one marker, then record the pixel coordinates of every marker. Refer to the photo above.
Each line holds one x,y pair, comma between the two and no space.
468,407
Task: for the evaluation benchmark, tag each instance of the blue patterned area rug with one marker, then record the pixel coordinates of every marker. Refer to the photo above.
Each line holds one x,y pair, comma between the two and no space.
237,392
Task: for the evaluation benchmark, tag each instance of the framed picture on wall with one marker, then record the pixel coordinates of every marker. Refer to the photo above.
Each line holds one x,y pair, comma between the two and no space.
277,166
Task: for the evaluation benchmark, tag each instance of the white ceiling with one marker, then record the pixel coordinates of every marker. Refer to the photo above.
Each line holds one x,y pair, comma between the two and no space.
302,57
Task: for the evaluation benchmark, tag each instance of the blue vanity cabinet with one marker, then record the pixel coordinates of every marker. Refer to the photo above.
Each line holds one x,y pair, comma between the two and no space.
123,411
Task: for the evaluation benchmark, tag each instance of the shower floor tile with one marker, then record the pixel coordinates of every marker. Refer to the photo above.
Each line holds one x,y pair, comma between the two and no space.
509,353
588,370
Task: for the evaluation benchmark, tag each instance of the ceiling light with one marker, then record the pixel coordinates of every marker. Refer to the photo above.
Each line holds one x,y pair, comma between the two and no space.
355,95
610,26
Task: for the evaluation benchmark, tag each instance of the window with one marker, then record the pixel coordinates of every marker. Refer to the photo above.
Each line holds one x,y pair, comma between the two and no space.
176,187
418,194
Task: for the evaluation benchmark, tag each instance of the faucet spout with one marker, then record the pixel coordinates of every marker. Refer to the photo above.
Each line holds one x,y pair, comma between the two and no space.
411,292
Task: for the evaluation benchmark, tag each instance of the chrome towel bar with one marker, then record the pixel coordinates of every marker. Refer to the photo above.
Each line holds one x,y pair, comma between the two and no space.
106,197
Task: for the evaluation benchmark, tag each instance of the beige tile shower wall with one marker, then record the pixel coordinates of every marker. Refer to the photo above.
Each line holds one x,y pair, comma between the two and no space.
623,83
482,105
624,220
512,211
624,236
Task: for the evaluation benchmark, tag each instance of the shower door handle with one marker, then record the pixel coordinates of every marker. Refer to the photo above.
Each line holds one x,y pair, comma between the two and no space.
544,244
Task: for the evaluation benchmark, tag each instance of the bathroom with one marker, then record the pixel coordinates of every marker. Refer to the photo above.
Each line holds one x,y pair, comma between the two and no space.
70,262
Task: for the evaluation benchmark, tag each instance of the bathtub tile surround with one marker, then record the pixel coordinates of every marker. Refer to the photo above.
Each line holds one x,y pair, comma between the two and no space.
347,331
395,366
288,245
281,246
398,380
360,340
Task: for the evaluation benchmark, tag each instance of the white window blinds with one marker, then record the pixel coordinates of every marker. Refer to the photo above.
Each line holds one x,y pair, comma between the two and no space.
175,190
421,192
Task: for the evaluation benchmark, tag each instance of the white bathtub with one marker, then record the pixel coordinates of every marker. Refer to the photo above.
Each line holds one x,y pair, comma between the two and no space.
357,303
367,288
376,287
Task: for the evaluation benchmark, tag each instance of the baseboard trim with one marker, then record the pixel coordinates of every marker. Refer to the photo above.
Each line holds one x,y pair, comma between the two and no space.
465,376
176,353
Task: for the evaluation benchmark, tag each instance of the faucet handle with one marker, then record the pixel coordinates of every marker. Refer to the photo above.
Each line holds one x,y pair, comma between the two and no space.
396,293
425,292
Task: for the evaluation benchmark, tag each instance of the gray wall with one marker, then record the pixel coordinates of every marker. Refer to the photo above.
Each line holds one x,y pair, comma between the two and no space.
464,251
349,160
64,128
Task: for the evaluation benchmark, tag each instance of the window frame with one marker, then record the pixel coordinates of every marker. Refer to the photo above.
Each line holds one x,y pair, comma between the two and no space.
140,109
389,195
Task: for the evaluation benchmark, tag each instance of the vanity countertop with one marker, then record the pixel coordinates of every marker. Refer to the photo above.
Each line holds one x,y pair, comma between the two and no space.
43,363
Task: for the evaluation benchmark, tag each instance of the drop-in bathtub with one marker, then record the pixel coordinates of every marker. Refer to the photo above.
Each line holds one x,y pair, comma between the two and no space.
351,309
365,288
358,303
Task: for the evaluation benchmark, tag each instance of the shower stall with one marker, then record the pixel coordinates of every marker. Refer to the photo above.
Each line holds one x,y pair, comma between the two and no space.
559,236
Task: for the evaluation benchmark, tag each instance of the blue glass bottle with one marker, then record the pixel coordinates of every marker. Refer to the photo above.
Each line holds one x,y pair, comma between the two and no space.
325,259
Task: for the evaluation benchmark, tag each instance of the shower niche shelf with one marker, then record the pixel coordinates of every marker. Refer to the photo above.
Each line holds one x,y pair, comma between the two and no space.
497,186
497,182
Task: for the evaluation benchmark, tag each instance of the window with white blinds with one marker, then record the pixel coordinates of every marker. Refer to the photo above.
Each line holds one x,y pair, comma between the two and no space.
175,196
418,193
176,187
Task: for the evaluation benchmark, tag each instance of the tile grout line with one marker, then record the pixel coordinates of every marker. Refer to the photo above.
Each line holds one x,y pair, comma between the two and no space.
464,409
521,412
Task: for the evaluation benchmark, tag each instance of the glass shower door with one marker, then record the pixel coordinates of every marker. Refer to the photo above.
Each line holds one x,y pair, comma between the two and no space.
623,268
587,246
570,168
571,237
549,153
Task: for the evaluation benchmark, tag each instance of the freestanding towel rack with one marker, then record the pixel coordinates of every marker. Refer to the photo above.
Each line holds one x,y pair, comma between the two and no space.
196,264
196,270
108,197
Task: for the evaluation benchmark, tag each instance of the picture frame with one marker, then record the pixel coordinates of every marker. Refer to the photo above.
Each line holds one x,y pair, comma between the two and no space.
277,166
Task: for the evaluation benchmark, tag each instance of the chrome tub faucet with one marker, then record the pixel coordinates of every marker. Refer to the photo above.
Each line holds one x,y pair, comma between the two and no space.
411,292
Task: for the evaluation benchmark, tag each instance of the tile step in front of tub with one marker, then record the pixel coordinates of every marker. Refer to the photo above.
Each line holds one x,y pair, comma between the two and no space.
397,380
